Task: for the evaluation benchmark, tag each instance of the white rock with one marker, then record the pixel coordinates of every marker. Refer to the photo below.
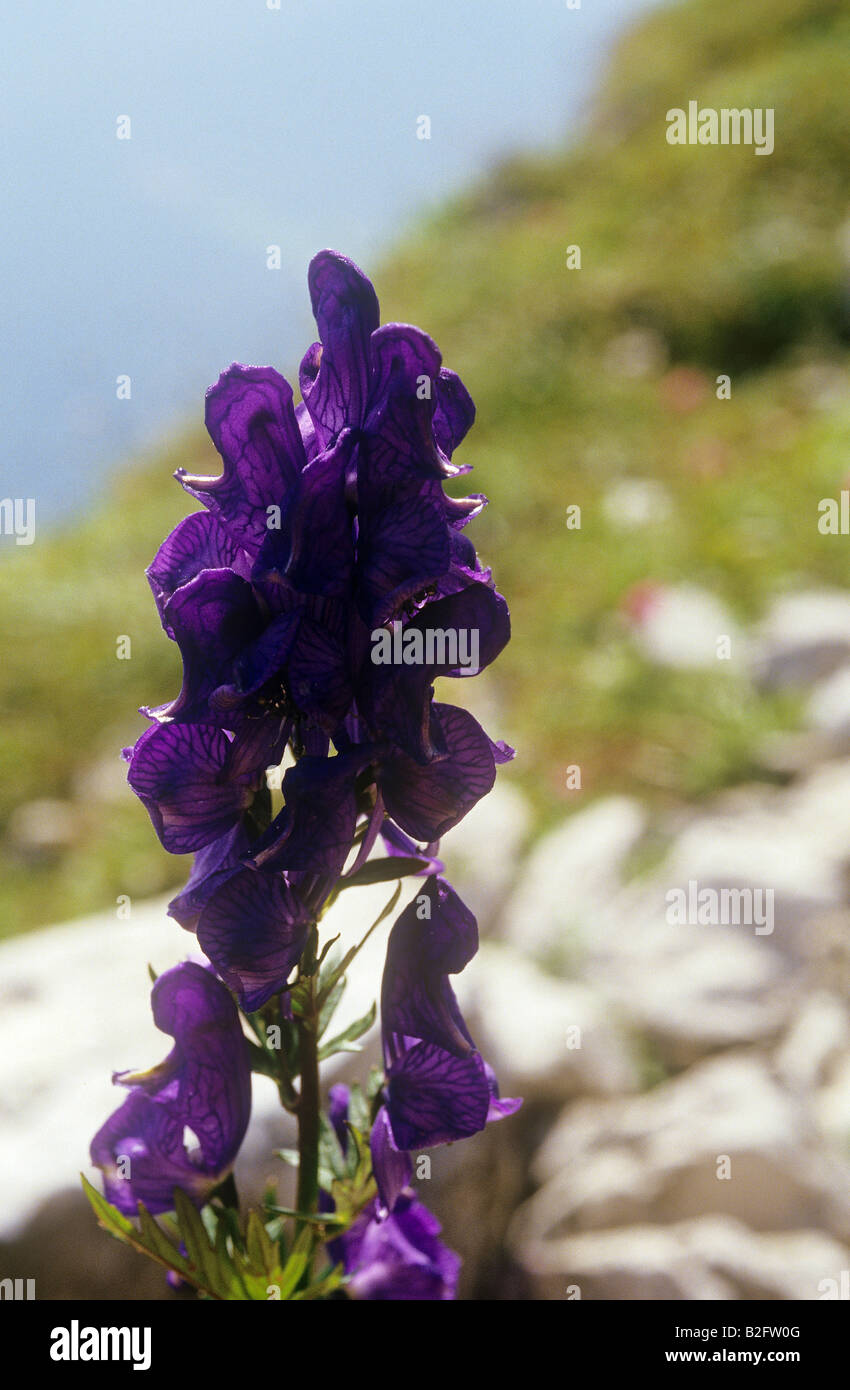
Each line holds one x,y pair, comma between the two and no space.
819,1035
831,1105
705,1259
571,872
632,1264
482,853
692,989
545,1037
828,707
680,626
659,1158
802,638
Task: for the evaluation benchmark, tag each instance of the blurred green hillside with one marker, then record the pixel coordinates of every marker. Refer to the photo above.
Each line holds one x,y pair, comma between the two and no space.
695,261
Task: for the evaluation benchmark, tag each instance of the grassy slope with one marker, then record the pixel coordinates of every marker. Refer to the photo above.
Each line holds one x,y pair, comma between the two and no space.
732,262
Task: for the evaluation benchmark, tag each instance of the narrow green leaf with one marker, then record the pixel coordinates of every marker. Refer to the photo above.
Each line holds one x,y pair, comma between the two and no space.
198,1248
385,870
354,1031
314,1218
326,1285
329,1006
340,969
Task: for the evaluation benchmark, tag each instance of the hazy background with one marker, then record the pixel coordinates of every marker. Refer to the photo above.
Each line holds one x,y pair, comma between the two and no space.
249,127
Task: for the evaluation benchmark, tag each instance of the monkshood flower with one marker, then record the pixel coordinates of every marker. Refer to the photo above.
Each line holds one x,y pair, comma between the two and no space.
204,1085
439,1088
315,600
398,1255
393,1250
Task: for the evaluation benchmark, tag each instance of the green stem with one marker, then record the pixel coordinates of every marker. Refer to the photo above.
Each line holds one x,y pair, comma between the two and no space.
308,1106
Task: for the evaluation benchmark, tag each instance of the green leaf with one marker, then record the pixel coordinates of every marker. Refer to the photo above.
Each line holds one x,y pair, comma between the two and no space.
298,1262
339,970
384,870
358,1109
329,1006
198,1248
311,1218
261,1251
375,1083
354,1031
290,1156
261,1062
324,1286
331,1157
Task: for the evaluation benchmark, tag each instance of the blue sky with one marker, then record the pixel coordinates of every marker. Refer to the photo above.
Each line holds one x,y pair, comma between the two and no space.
250,126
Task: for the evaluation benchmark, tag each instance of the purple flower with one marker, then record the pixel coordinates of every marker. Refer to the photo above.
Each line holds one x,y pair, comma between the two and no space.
397,1256
197,782
203,1086
253,928
439,1088
327,536
392,1250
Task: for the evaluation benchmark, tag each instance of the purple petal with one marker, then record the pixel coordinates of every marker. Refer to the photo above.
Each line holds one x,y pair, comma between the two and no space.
428,801
213,865
392,1168
251,421
434,1097
397,1257
253,930
176,772
338,1099
321,556
403,542
204,1085
470,626
335,379
197,543
454,411
397,842
214,617
435,936
313,832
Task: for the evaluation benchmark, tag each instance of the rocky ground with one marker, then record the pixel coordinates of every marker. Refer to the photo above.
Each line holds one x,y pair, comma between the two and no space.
686,1127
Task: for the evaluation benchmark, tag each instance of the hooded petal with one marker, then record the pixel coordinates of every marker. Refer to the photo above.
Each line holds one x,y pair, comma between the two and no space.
251,421
314,831
435,936
335,375
458,635
203,1086
213,865
403,541
435,1097
398,429
214,618
454,411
